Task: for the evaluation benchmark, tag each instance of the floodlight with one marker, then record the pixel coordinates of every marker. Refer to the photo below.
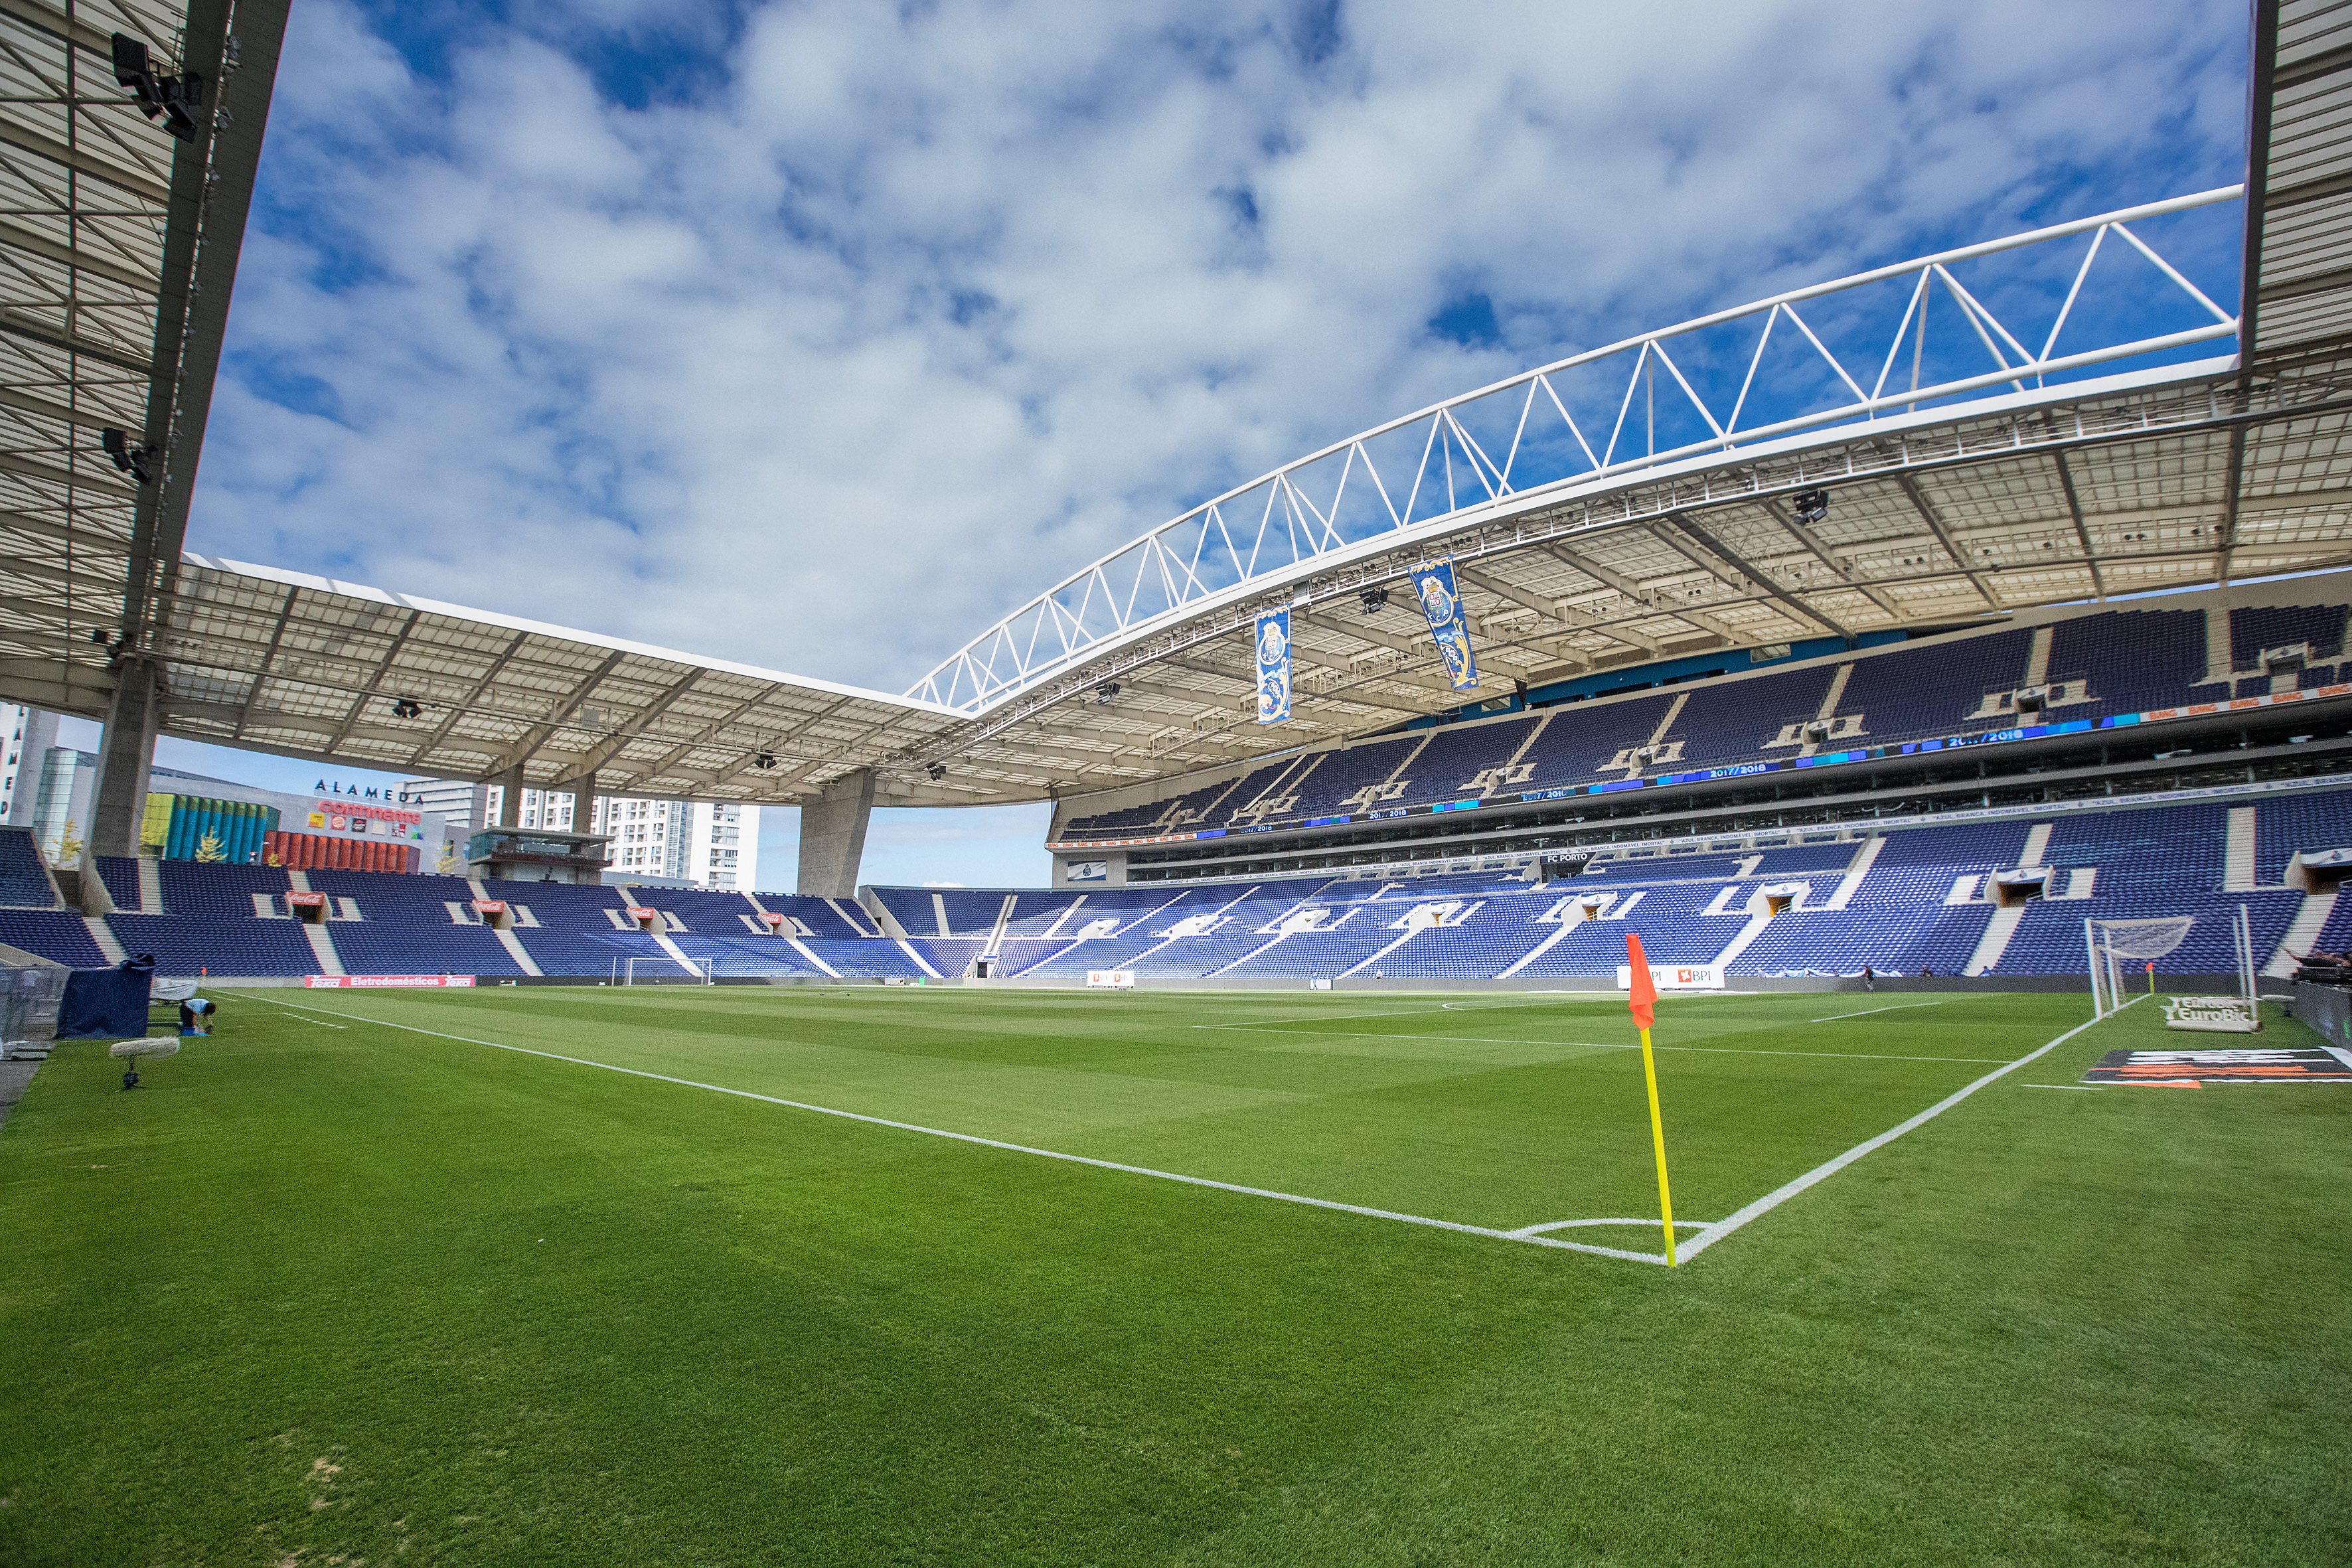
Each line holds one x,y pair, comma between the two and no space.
764,761
173,97
404,706
133,460
1106,691
1812,505
936,771
1374,600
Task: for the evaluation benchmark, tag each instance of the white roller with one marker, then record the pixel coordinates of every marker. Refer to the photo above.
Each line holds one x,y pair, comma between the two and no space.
152,1045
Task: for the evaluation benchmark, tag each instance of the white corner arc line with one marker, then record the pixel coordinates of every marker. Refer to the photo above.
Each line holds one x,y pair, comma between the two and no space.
1652,1224
1656,1257
1774,1199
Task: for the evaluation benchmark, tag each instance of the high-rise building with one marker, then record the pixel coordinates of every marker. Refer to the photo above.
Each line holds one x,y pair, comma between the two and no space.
31,734
703,845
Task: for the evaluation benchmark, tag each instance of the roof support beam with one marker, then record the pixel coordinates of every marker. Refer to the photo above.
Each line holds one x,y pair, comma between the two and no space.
17,236
523,750
1935,522
458,710
48,19
26,140
374,681
87,418
2082,529
1608,578
204,234
269,657
1730,563
48,473
1819,546
2233,482
15,323
602,751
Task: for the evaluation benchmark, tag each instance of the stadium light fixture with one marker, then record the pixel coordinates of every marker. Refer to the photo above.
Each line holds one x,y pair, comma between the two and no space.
175,98
936,771
1374,600
406,707
1105,692
764,762
1812,505
129,459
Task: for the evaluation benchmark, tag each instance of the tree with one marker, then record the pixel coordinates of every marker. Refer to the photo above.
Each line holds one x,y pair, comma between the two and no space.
209,850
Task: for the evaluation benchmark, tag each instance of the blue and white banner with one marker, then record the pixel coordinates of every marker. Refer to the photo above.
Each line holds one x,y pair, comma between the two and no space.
1434,587
1274,667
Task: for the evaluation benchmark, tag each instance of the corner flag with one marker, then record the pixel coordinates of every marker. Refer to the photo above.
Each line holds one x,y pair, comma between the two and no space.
1643,1001
1645,993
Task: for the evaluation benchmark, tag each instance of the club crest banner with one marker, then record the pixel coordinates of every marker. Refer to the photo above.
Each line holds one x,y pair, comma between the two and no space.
1434,587
1274,667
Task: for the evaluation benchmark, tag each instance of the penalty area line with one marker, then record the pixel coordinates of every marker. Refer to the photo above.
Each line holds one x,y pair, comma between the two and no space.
1822,1173
1866,1012
1527,1240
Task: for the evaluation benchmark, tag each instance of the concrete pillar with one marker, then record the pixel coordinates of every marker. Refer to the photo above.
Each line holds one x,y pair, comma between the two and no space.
833,836
509,785
126,750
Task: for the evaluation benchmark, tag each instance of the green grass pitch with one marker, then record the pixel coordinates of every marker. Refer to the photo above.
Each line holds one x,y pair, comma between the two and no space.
328,1291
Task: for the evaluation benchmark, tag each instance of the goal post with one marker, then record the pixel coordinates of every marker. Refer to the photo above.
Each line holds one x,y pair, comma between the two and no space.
2111,943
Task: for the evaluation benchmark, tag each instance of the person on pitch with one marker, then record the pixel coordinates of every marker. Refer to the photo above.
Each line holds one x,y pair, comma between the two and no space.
196,1016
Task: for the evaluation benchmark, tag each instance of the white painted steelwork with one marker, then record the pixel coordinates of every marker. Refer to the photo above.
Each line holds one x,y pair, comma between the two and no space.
1432,473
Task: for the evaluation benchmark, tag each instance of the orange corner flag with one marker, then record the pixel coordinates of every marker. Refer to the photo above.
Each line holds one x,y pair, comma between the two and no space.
1644,1003
1645,995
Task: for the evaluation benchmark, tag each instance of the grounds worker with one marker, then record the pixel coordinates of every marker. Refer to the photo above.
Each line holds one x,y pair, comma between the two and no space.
196,1014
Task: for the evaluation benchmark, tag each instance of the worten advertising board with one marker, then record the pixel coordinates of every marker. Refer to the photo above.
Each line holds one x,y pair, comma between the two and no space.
381,982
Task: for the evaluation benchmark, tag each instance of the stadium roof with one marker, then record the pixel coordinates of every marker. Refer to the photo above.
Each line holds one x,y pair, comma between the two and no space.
2052,417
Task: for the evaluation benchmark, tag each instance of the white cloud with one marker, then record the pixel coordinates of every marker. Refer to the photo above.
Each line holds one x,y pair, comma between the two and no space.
895,314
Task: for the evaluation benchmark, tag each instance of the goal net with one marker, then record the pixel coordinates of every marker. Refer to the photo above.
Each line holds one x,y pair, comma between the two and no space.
2145,941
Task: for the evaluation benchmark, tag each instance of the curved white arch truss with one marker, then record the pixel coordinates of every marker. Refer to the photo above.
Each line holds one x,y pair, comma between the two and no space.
1574,424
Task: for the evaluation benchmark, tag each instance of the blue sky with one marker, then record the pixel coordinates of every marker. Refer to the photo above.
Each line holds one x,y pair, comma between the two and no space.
819,335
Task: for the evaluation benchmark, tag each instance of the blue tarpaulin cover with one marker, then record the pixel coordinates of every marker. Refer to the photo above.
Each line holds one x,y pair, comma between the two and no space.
107,1004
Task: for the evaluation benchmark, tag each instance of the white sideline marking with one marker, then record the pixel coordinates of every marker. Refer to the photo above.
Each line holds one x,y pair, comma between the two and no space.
1866,1012
2086,1088
1774,1199
1587,1045
1657,1257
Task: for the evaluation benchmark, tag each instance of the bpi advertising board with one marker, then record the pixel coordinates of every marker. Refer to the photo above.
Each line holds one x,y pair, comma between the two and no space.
1675,976
1123,979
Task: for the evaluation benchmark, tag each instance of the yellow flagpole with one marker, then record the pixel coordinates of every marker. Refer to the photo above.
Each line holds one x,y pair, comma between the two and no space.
1658,1141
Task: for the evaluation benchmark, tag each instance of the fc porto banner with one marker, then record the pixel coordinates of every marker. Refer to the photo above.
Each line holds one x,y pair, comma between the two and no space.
1434,585
1274,667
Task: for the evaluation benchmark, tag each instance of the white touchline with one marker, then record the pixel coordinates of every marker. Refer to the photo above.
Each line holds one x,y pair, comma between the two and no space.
1866,1012
1656,1257
1775,1198
2086,1088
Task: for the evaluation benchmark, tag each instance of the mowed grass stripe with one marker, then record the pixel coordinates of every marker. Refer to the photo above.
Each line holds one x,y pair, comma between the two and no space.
292,1302
1474,1143
1027,1148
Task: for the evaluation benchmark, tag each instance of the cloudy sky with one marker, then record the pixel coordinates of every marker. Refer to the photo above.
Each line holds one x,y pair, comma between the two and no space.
819,335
